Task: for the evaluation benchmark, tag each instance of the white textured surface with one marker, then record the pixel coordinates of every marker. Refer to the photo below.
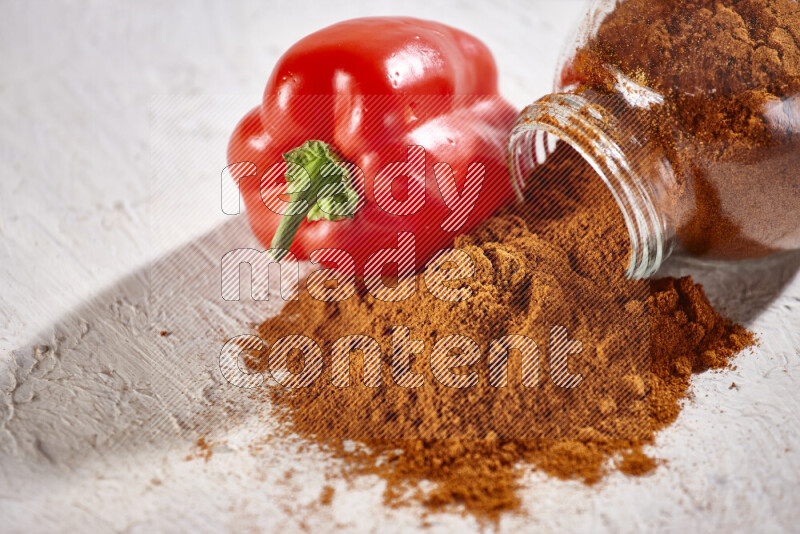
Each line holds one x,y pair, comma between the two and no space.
88,425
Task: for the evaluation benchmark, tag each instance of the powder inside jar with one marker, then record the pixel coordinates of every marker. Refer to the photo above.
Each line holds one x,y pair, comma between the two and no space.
729,75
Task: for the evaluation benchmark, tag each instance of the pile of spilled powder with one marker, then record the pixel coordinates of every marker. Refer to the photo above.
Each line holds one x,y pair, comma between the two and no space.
560,258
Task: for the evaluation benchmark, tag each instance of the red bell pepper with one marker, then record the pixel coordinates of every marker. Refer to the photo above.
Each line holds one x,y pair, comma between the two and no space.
363,91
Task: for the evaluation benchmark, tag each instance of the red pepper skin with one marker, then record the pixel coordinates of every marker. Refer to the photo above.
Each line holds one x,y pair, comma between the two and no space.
401,82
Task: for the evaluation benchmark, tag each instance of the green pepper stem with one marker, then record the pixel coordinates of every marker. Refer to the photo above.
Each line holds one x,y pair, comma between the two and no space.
321,190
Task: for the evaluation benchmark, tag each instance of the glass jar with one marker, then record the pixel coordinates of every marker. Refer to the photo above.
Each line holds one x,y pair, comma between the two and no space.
690,113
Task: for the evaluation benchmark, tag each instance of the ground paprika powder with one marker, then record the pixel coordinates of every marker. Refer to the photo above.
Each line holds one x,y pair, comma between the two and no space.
534,254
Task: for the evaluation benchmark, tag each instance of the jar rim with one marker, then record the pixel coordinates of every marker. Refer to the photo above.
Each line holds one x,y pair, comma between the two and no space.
571,118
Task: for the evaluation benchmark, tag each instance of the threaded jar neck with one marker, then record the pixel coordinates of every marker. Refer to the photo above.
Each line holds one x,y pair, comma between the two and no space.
602,130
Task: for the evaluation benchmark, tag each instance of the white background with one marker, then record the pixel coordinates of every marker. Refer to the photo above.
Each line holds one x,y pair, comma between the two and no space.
88,90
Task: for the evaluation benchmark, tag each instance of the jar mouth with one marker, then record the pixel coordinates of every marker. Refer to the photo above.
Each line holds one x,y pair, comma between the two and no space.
572,119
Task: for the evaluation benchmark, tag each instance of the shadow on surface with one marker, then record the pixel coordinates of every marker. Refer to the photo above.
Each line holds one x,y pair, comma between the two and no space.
136,366
743,290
